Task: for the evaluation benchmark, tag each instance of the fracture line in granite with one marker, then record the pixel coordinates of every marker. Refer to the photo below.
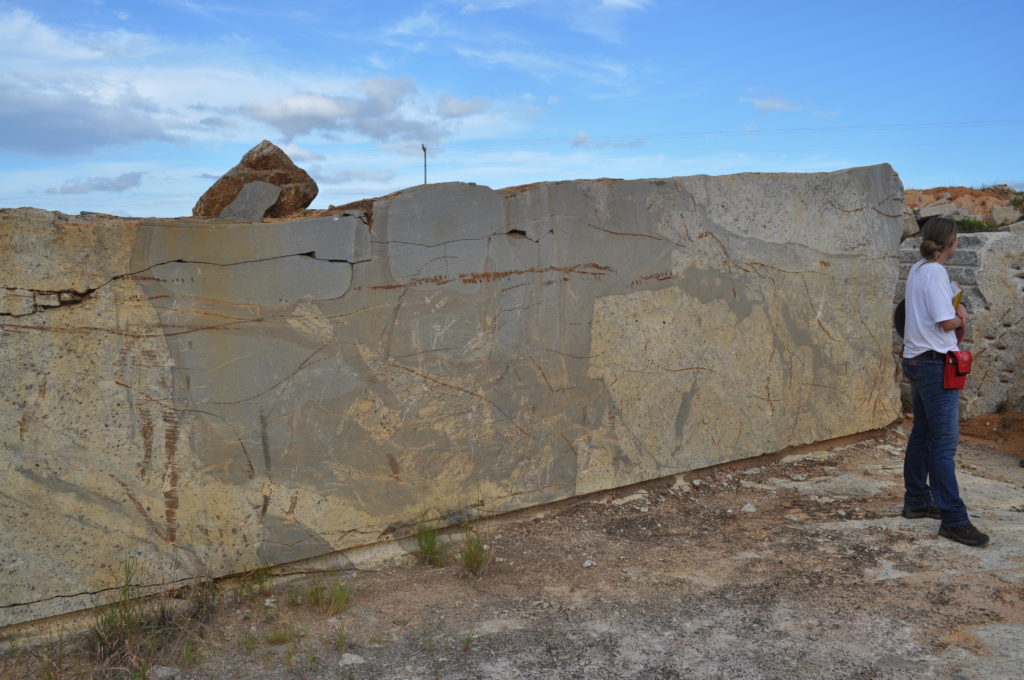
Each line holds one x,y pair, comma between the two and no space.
82,295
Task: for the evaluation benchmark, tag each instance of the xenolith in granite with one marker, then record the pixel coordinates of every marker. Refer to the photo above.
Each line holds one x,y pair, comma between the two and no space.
204,397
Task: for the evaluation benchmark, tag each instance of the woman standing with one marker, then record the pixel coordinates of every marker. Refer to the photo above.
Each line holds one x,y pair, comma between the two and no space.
929,471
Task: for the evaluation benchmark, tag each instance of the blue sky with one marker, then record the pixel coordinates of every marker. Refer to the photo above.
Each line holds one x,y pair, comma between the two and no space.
135,108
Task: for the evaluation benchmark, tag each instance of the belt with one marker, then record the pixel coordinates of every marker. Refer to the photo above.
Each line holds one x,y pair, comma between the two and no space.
931,354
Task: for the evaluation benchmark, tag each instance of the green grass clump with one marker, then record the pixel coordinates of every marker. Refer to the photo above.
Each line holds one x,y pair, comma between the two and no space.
129,635
971,224
339,641
281,636
428,546
254,585
476,552
328,599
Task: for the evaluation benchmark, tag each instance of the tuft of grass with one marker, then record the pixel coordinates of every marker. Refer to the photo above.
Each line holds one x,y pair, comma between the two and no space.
281,636
190,652
114,636
328,598
476,552
970,225
340,640
428,546
247,644
254,585
294,595
468,641
130,634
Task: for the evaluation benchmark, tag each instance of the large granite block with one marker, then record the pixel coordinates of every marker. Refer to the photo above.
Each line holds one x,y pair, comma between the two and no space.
225,395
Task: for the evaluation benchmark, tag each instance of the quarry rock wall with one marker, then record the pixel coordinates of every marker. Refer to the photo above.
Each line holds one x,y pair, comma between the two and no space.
206,397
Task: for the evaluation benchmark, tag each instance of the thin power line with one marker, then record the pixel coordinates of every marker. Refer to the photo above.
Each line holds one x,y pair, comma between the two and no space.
628,137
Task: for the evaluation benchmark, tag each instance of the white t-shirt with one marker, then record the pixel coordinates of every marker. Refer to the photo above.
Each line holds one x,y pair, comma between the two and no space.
929,301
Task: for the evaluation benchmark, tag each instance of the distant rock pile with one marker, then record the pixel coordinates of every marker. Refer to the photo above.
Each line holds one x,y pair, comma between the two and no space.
995,206
265,183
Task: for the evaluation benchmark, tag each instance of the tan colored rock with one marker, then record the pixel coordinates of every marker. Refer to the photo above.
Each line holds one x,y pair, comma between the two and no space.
224,396
265,162
1002,214
910,225
958,202
997,326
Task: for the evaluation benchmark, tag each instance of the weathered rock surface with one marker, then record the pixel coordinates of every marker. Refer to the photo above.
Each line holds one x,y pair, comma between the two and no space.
995,206
221,395
265,162
252,202
990,269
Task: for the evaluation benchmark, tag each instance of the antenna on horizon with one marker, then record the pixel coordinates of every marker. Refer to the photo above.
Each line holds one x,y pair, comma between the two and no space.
424,147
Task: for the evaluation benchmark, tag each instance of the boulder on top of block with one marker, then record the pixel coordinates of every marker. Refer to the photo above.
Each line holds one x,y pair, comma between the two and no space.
265,162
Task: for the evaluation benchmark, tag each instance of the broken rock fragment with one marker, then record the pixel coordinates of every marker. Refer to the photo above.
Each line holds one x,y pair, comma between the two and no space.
267,163
252,202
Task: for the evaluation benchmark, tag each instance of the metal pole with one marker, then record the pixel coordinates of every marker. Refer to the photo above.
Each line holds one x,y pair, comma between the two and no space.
424,162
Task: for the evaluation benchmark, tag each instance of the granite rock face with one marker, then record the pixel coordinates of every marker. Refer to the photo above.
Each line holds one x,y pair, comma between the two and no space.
266,163
213,396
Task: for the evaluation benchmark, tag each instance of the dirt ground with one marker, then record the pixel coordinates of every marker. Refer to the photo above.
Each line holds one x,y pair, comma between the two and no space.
1002,431
792,566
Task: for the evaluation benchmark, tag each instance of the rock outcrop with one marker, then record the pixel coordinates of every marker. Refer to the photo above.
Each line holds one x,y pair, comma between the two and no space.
208,397
995,206
264,163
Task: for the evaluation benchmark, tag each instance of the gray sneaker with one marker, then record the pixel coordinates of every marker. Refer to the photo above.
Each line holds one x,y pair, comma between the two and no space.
966,534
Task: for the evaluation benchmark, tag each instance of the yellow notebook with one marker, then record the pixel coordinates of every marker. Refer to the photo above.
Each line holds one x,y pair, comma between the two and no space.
958,294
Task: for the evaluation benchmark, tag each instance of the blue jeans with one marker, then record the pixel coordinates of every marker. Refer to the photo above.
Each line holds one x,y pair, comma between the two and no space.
929,471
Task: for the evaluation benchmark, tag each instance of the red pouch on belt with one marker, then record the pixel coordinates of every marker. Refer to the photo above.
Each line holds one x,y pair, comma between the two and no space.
958,365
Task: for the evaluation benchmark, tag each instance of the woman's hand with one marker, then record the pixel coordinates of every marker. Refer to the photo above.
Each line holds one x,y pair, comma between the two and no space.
961,313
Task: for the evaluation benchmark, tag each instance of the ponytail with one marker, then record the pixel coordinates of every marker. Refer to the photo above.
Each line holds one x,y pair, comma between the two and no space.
936,235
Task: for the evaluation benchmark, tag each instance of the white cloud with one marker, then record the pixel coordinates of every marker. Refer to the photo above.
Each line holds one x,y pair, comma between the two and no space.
217,122
384,113
624,4
355,175
128,180
122,44
22,35
601,19
299,154
423,25
73,117
547,67
583,139
771,104
453,107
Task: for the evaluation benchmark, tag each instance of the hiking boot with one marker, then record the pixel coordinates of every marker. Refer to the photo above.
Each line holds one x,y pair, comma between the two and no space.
929,511
966,534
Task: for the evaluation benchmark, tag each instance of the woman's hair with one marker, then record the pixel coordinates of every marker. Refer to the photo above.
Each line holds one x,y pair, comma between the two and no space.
936,234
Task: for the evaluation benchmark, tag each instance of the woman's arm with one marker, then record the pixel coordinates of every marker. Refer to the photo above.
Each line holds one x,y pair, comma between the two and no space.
959,321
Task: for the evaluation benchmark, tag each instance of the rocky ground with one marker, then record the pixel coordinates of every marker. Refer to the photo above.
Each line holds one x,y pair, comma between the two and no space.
793,566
